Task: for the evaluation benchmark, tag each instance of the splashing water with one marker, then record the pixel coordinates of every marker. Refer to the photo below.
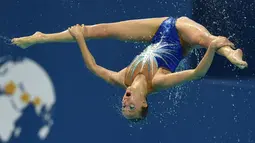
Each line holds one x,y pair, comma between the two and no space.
6,40
218,10
71,3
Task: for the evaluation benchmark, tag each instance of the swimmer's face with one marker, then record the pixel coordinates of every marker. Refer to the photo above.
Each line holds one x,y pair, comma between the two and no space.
132,104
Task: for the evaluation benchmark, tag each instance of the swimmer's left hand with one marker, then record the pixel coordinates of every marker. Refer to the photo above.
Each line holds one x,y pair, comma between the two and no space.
76,31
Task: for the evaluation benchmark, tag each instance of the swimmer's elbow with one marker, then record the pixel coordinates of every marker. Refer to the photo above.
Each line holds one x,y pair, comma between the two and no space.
93,67
91,64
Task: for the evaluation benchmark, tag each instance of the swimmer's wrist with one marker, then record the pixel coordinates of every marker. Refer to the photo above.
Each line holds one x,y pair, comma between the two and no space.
211,45
212,49
79,37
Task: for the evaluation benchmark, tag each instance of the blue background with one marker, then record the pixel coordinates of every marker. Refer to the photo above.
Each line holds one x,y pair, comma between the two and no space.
218,109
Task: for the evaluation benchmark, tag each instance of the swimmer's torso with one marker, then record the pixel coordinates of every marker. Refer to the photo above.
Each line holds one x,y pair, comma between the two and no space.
147,64
162,56
148,69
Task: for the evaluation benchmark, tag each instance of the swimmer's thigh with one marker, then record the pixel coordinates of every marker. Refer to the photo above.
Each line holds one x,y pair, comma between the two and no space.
141,30
193,33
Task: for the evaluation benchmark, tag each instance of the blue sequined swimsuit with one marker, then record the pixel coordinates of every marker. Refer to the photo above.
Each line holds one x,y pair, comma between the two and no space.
165,48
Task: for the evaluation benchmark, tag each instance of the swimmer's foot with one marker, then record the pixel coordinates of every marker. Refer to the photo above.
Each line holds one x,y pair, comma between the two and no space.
25,42
236,58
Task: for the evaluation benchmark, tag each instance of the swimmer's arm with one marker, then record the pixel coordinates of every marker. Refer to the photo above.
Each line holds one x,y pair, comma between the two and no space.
173,79
112,77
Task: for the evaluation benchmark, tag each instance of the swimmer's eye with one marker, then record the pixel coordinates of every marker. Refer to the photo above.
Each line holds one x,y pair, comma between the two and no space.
132,107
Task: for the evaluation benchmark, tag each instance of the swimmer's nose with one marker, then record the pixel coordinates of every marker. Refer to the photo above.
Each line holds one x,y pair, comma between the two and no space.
128,94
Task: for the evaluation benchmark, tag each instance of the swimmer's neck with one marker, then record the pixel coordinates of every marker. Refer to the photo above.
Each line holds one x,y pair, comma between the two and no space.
140,83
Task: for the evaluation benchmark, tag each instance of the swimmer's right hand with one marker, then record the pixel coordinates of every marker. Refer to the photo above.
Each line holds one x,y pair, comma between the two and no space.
219,42
76,31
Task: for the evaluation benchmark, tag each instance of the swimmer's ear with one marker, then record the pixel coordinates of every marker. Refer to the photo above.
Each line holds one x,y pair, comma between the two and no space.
145,104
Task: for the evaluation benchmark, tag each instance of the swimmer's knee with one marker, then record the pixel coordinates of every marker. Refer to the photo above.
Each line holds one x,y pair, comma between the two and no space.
183,18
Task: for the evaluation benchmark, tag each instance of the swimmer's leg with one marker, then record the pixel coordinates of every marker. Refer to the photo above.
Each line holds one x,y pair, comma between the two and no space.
196,34
39,38
140,30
